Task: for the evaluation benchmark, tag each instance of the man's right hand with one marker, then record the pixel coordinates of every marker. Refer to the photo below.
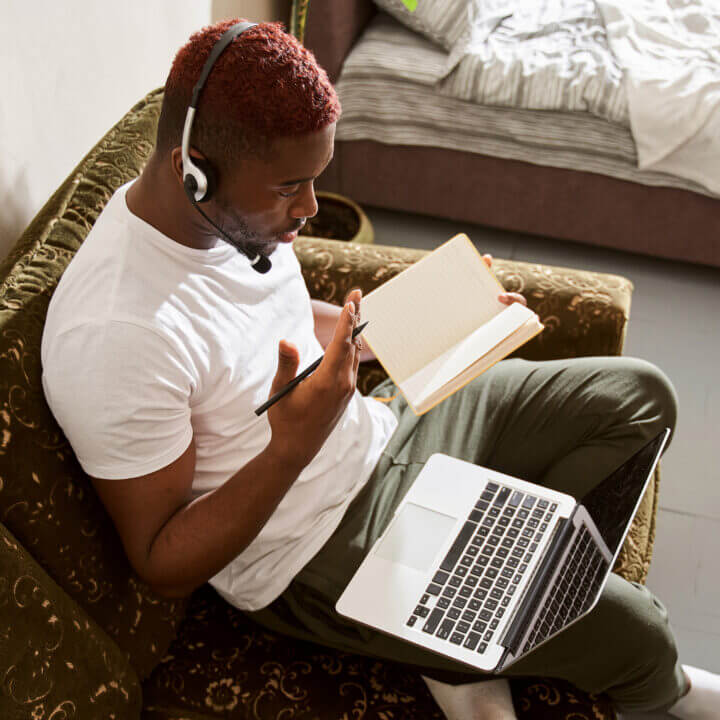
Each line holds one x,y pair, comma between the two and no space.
302,420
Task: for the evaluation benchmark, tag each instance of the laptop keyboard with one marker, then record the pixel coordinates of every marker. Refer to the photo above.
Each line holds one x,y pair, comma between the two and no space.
473,586
573,590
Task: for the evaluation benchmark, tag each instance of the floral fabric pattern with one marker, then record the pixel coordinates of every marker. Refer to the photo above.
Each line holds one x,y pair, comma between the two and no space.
46,500
55,662
253,673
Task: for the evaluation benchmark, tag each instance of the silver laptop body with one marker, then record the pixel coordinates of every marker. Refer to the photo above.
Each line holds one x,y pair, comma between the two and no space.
483,567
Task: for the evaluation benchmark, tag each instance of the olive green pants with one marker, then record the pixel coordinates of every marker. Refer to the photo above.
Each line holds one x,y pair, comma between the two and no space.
564,424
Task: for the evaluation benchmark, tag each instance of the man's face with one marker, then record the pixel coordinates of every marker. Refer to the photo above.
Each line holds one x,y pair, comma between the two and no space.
269,198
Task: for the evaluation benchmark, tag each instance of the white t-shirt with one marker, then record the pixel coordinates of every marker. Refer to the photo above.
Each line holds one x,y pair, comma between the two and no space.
149,343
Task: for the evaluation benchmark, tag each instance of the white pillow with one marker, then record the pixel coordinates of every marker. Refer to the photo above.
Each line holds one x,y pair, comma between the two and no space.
443,21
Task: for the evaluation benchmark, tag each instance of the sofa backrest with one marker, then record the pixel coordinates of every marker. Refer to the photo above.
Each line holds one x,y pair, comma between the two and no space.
46,500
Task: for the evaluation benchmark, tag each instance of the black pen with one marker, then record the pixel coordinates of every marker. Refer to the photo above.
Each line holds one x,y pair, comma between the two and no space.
301,376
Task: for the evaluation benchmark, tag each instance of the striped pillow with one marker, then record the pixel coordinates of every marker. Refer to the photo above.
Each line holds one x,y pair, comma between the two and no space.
442,21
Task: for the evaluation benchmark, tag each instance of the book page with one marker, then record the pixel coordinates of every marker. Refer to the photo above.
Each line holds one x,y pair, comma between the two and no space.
527,331
429,308
454,361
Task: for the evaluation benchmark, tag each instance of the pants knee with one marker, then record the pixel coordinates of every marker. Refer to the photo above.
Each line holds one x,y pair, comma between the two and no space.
659,644
649,647
659,398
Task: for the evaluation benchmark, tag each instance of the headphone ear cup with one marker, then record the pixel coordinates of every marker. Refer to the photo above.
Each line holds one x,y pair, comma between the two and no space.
208,170
190,185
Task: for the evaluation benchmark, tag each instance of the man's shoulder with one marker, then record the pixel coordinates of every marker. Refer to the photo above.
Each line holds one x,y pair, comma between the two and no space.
115,276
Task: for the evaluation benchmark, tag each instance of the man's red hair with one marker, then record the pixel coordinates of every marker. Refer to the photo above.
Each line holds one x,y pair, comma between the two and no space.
265,85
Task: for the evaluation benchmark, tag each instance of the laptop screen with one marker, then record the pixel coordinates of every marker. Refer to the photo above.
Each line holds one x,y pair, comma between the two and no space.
612,503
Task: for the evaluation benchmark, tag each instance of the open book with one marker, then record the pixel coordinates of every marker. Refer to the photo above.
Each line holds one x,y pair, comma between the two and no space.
439,324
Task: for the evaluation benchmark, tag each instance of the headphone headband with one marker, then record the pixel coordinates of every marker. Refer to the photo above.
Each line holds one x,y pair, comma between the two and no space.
197,180
225,39
194,179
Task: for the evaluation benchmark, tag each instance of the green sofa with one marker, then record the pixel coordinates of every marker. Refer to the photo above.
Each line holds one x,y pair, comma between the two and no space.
81,637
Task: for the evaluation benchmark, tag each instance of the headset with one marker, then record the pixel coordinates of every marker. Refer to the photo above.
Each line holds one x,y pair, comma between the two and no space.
199,176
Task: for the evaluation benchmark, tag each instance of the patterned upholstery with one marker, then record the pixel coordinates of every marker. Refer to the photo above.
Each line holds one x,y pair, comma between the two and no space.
55,661
90,630
46,501
251,673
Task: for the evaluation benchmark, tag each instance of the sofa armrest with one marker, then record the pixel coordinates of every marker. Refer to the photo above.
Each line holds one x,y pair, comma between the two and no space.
55,660
584,313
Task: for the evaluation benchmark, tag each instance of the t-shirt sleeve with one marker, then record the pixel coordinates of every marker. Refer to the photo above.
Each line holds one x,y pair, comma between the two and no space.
121,394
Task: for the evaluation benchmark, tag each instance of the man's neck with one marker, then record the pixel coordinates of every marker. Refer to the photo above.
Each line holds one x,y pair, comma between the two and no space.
160,201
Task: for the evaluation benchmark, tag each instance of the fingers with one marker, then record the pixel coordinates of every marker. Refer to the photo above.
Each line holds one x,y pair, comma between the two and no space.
356,296
356,362
510,297
341,351
288,359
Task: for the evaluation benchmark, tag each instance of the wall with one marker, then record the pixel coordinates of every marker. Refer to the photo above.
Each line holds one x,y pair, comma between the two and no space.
258,10
71,69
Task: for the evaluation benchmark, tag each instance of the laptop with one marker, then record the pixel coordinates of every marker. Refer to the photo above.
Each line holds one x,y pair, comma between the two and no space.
483,567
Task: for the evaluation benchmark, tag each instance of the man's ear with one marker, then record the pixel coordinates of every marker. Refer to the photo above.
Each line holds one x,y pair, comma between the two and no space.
177,164
202,164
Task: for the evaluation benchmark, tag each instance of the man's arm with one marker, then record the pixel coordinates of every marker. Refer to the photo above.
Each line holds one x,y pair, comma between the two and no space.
176,543
326,315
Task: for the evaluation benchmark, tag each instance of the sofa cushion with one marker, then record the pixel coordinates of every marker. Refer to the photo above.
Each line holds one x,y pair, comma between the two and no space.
224,665
46,500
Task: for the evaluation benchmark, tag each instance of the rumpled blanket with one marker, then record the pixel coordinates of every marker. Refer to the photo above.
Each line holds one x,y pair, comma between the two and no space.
652,65
670,53
537,55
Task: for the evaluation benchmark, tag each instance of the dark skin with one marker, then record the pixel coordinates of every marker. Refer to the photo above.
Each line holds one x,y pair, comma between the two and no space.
176,543
261,197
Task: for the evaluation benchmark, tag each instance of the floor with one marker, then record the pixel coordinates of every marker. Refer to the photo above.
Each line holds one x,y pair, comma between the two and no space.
675,323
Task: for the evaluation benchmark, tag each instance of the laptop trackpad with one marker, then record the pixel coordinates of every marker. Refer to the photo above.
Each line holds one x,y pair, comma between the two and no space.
415,537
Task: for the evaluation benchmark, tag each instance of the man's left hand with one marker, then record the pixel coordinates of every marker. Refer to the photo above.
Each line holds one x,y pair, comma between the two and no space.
507,297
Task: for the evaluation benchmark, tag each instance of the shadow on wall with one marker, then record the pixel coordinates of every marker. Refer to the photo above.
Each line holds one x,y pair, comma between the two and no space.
16,208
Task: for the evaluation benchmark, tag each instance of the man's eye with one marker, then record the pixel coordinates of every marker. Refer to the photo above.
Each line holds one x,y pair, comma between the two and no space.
289,193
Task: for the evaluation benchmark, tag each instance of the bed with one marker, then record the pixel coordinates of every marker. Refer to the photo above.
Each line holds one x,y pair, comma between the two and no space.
511,149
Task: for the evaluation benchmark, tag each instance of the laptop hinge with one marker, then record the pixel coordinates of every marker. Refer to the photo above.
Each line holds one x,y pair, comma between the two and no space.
515,631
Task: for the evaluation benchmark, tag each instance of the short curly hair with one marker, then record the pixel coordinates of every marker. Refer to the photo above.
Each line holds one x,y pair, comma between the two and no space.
265,85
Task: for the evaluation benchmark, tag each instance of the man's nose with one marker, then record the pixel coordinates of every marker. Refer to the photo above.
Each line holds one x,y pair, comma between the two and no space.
305,205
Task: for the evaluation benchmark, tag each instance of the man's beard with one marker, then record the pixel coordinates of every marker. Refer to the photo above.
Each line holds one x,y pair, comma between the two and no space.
247,241
243,239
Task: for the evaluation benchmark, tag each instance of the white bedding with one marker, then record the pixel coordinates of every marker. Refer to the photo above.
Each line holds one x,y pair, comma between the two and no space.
537,55
651,64
670,52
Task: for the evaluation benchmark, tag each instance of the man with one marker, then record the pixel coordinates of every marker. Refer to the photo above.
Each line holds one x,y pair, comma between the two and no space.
161,339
